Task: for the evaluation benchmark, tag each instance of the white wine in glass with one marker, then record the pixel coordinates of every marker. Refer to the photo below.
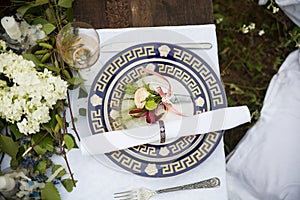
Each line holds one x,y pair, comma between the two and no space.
78,44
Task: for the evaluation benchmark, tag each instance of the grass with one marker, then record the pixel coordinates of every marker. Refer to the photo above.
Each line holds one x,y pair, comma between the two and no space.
249,60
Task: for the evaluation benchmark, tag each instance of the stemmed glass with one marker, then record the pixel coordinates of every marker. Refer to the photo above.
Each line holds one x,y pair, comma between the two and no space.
78,44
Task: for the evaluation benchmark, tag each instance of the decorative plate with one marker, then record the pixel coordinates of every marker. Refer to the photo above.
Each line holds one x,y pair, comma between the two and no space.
188,74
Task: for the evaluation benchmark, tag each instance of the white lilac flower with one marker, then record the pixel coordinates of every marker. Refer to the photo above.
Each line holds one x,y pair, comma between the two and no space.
251,26
261,32
3,46
245,29
275,9
31,97
219,20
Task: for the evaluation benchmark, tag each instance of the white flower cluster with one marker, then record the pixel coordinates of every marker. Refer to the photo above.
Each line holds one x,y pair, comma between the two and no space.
32,94
3,46
246,29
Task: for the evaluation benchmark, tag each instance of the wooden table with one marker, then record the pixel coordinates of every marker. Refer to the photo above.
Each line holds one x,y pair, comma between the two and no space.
141,13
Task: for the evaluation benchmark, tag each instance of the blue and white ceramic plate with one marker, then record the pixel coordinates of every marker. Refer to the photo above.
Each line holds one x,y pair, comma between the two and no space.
108,106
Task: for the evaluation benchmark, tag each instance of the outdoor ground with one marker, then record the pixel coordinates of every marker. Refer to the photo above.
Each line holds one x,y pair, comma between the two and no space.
247,60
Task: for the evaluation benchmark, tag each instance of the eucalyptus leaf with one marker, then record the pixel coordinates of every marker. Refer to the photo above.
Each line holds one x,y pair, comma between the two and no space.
50,192
68,184
70,143
8,146
65,3
48,28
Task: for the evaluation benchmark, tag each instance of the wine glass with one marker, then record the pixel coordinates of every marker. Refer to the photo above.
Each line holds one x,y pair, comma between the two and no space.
78,44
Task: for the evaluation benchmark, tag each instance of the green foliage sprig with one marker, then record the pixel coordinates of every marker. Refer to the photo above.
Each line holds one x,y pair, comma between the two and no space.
33,152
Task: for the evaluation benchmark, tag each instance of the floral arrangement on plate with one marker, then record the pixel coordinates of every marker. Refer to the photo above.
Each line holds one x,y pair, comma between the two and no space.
151,104
34,99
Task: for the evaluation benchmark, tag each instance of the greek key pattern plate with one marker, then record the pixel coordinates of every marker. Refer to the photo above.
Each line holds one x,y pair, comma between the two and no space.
188,74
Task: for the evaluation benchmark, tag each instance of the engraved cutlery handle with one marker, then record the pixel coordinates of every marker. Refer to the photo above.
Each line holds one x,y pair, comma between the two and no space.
209,183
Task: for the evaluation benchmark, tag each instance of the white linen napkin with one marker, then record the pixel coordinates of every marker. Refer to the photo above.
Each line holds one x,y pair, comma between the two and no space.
216,120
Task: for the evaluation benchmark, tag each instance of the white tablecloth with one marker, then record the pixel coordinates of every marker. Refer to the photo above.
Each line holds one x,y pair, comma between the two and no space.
97,180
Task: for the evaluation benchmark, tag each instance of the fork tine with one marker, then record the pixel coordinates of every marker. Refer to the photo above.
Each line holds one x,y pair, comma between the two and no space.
127,195
124,192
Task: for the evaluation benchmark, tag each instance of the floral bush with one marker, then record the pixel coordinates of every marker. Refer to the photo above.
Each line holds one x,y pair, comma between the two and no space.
34,101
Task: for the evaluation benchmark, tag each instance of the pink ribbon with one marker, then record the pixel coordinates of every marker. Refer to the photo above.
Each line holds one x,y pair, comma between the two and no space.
165,97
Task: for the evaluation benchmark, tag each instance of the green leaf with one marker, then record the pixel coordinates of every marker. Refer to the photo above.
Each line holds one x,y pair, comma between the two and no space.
39,20
75,81
42,166
48,28
23,9
68,184
8,146
14,129
65,3
150,105
50,17
130,88
44,145
39,150
33,58
50,192
82,92
2,124
51,124
70,143
82,111
61,173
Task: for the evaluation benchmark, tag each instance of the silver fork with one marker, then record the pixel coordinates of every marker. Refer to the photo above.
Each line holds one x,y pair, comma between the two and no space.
145,194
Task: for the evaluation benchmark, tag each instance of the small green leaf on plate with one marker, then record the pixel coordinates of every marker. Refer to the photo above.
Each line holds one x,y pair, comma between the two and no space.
130,88
82,111
150,105
82,92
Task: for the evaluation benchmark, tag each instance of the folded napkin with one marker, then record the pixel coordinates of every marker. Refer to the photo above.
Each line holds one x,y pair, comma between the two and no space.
216,120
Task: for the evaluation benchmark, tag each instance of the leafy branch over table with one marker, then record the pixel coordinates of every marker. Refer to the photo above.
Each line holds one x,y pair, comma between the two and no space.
31,147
